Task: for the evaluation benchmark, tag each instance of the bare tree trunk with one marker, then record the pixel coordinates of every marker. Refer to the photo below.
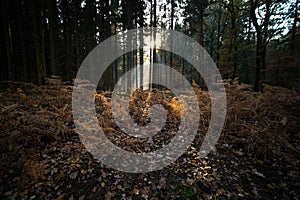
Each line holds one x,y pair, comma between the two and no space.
296,19
141,51
38,40
53,25
25,76
234,41
77,33
154,72
8,42
172,44
257,83
219,36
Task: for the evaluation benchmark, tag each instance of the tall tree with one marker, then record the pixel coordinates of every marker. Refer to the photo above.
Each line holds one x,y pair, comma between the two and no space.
141,22
8,40
195,11
261,25
39,39
53,35
232,30
295,21
172,28
77,32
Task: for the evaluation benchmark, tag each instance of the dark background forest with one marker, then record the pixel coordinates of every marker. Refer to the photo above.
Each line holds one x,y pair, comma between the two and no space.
256,41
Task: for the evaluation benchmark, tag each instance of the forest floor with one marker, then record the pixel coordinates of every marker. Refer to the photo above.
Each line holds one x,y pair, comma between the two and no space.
256,157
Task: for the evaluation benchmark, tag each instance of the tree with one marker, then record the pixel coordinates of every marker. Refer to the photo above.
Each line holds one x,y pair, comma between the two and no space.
39,39
53,35
231,31
195,13
295,21
77,32
260,14
140,9
8,40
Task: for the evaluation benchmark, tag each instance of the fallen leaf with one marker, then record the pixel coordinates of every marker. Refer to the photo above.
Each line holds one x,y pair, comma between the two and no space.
109,195
73,175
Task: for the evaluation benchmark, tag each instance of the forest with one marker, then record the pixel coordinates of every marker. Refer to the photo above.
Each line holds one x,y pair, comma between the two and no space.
252,43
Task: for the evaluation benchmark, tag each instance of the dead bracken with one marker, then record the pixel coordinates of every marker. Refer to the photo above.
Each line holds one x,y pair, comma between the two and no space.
42,156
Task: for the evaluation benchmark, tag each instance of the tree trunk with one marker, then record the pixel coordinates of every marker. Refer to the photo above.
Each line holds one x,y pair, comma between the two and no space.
262,34
141,51
234,41
38,40
154,72
21,40
53,25
296,19
257,83
171,39
77,33
219,36
8,42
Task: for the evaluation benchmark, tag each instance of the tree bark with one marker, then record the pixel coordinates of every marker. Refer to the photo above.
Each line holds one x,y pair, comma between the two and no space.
53,25
296,19
141,38
8,42
38,40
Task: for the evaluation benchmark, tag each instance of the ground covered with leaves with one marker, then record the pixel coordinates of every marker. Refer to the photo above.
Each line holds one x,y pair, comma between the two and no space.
42,157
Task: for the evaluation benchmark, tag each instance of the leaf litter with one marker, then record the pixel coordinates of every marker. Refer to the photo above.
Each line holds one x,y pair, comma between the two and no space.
42,157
